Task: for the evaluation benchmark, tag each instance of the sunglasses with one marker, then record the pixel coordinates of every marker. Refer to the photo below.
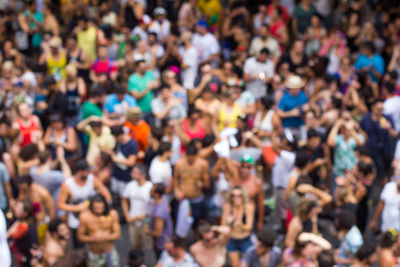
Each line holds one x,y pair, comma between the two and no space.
246,166
237,195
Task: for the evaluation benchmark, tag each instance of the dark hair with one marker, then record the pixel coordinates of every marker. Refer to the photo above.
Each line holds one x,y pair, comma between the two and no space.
58,117
365,168
28,208
159,188
25,179
204,228
267,102
302,158
44,156
95,124
388,239
164,147
366,250
346,220
28,152
53,225
336,102
135,258
138,62
74,258
390,87
73,37
266,237
192,110
119,89
312,133
363,150
191,150
303,179
369,45
176,241
264,51
325,259
157,133
117,130
96,91
100,198
142,168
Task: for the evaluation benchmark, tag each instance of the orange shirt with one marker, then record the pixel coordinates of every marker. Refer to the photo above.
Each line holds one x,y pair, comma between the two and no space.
140,133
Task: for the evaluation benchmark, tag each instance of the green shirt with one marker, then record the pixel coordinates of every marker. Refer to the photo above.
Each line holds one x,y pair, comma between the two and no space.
139,83
90,109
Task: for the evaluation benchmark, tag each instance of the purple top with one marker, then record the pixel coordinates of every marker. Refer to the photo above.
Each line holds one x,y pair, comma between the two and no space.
161,211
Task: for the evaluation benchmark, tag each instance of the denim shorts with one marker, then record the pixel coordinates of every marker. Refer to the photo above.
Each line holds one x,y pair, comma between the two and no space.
240,245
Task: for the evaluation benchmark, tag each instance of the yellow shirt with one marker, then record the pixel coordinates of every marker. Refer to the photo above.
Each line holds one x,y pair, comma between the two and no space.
56,67
87,41
228,118
105,141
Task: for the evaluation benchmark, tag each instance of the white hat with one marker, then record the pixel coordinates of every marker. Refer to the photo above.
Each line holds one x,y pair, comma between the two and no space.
159,11
294,82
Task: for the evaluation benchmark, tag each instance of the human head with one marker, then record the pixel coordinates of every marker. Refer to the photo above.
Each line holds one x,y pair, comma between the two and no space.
59,229
325,259
99,206
159,13
44,156
313,139
24,184
186,37
120,91
71,71
238,196
23,209
191,153
96,94
103,159
389,238
134,115
263,55
306,208
295,84
118,132
246,166
139,172
201,27
102,52
345,219
377,108
302,159
164,149
208,237
141,66
264,31
71,42
136,258
265,103
368,48
23,110
82,170
174,246
366,252
57,121
165,93
265,241
157,191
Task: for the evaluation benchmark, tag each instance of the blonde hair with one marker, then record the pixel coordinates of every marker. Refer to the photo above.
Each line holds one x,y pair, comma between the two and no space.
245,196
71,69
304,207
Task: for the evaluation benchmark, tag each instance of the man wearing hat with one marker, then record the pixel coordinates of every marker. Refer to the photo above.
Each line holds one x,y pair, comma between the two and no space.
138,128
74,195
161,25
206,44
291,107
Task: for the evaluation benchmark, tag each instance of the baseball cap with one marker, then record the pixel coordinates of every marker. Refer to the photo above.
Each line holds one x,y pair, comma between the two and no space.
202,23
247,158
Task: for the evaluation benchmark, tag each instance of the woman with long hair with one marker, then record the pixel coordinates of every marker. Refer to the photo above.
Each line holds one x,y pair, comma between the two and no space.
238,214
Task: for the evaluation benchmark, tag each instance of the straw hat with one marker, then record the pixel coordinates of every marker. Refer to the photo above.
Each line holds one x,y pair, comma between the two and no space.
294,82
134,114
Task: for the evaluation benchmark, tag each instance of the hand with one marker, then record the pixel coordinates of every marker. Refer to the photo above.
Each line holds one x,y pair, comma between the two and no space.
320,161
179,194
129,219
60,152
141,154
206,78
385,124
295,112
140,218
83,206
305,188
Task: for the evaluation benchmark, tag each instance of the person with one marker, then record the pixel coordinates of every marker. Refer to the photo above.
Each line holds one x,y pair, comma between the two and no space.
124,157
23,233
78,57
99,227
140,86
189,61
28,125
206,44
264,253
136,258
116,104
166,105
103,65
211,248
265,40
100,137
350,238
365,255
258,71
160,170
55,59
93,105
41,200
160,222
56,243
238,214
138,128
175,255
74,194
380,131
136,206
191,178
5,255
386,250
369,61
292,105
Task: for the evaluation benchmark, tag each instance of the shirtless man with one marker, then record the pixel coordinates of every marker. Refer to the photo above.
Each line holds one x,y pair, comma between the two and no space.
56,243
99,228
243,175
42,203
191,177
211,249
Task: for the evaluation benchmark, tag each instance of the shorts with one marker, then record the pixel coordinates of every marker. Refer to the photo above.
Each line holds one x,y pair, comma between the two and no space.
138,238
110,259
117,186
239,245
280,202
41,231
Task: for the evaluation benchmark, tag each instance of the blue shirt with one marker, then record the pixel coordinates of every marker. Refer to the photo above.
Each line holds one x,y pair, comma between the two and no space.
289,102
376,61
112,103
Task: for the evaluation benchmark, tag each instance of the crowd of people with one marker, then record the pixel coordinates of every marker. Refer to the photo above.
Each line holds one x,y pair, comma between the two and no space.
199,133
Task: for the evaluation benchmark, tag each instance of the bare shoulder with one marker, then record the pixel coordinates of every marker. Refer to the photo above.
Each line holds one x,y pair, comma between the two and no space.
84,217
114,214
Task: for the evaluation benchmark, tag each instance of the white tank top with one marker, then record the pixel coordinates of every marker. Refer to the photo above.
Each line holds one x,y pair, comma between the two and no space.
264,124
78,195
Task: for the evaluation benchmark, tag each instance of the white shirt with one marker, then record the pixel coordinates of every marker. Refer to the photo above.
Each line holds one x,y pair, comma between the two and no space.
252,67
139,32
282,168
162,29
190,58
139,198
206,45
391,210
391,107
5,256
160,172
271,43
